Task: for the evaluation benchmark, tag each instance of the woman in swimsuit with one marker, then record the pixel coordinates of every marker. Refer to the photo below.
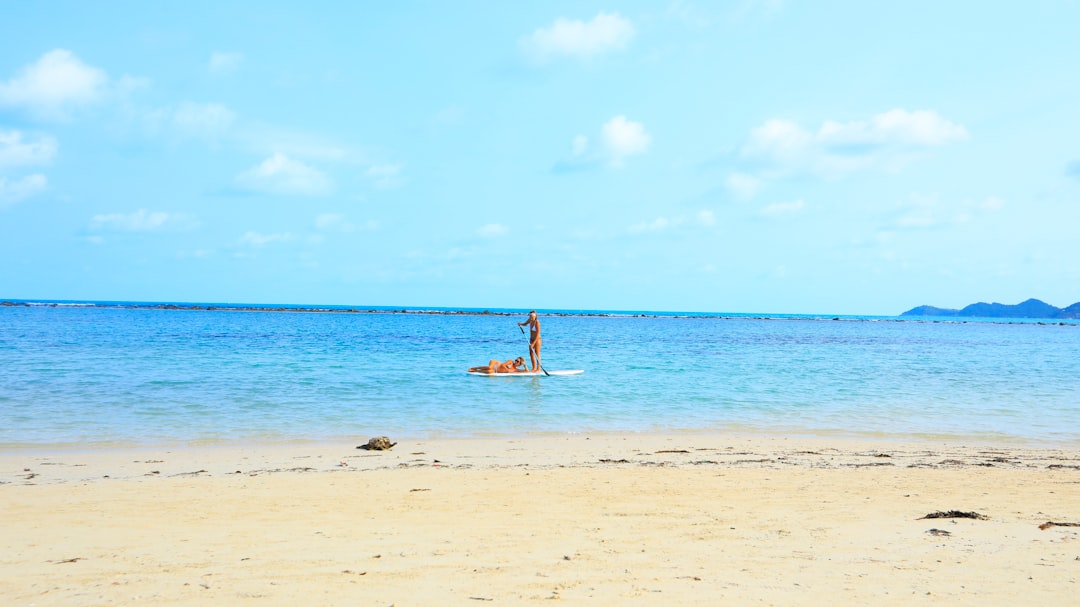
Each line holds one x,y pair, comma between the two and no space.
534,340
510,366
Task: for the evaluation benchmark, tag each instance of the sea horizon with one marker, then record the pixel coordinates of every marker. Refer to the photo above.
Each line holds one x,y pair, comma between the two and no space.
501,311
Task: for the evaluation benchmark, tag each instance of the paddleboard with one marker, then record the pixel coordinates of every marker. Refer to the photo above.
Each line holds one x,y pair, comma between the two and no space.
529,373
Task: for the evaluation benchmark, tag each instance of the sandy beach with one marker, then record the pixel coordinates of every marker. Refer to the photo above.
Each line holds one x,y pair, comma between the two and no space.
588,519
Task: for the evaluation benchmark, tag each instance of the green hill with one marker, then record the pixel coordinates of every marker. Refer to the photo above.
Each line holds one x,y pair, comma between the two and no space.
1032,308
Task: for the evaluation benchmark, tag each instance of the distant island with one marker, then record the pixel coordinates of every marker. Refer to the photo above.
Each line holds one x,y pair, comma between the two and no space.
1032,308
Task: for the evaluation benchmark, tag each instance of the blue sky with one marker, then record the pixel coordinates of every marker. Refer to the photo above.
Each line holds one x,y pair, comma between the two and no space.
770,156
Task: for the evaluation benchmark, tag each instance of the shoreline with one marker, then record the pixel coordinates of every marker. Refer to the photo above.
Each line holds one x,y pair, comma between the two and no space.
711,434
535,451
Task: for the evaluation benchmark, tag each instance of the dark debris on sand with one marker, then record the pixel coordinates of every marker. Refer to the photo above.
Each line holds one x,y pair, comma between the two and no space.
955,514
1049,524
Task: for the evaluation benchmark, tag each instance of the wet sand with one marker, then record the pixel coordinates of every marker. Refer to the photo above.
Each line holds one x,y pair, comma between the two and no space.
593,519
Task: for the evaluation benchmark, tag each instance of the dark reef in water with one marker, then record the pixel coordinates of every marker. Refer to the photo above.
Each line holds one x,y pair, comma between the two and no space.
317,309
1032,308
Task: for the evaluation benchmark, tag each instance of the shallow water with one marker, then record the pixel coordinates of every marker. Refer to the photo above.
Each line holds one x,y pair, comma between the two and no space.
117,375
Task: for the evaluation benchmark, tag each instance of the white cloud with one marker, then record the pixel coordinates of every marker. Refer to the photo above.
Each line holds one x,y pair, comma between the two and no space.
580,146
625,138
126,84
257,240
270,140
51,86
202,120
924,211
332,221
781,139
581,157
704,218
283,176
656,225
455,253
755,9
384,176
21,189
207,121
605,33
224,63
743,185
897,126
887,140
780,209
971,210
339,223
688,15
492,230
449,116
917,220
141,221
17,149
621,138
920,211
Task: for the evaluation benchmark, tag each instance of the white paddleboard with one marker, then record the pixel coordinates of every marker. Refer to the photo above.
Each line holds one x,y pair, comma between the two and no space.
529,373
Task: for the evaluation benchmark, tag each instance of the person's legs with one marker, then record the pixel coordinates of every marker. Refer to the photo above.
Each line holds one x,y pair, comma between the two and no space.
534,354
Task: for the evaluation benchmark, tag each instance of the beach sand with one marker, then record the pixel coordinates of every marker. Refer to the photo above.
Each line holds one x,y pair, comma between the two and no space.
620,519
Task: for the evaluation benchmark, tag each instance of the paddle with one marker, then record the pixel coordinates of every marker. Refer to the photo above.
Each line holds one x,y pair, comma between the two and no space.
531,351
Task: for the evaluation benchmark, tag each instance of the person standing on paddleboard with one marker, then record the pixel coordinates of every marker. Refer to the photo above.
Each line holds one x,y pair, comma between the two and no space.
534,340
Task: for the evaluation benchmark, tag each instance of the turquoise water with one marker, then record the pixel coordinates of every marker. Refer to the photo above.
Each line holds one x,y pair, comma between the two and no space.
106,375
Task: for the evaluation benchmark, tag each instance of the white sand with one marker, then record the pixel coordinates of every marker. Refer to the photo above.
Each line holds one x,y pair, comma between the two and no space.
684,520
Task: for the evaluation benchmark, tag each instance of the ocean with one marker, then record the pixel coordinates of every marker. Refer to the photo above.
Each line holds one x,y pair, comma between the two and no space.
116,373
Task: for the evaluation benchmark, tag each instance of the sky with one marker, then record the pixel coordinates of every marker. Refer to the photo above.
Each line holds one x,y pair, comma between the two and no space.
767,156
